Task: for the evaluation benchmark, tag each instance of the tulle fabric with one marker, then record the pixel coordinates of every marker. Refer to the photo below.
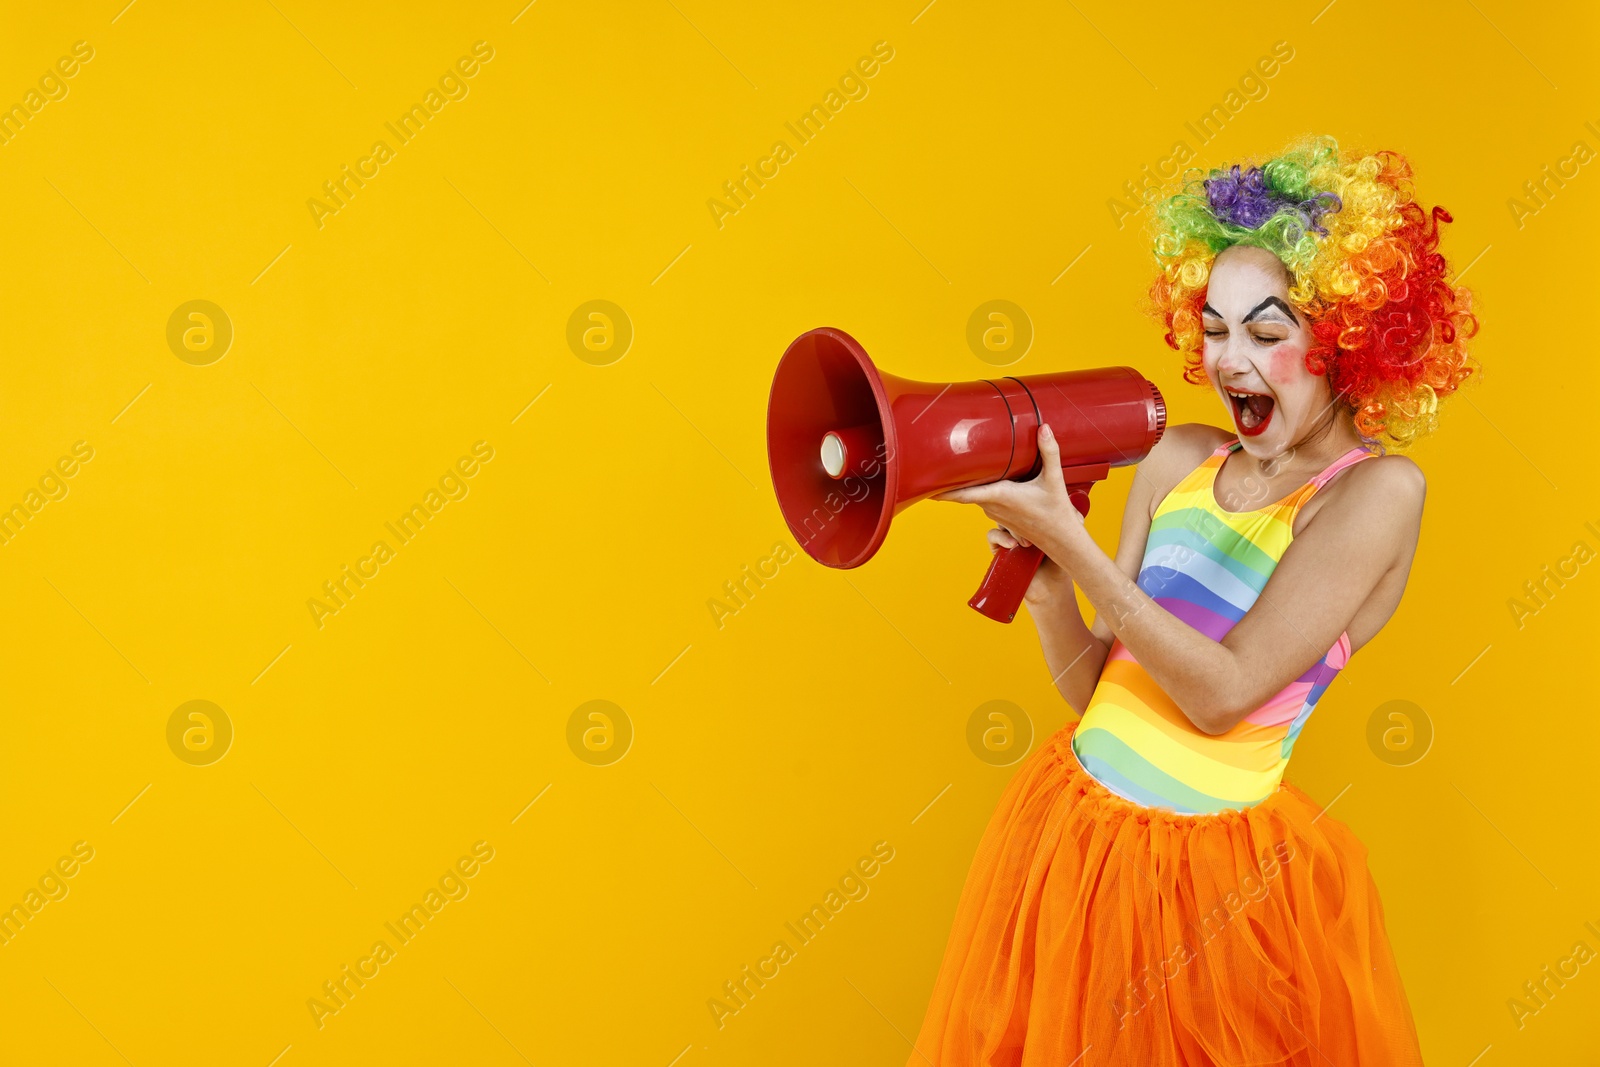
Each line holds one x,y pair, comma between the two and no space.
1092,930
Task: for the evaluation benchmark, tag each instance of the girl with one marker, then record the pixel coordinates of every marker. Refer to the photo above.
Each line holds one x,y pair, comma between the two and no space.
1150,891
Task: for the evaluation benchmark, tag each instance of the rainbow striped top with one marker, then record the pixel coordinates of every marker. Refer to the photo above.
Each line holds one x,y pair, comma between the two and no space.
1206,566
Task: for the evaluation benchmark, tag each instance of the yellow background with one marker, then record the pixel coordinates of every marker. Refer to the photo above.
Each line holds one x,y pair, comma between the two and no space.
772,752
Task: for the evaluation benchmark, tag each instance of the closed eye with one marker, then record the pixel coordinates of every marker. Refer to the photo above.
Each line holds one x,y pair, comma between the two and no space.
1259,338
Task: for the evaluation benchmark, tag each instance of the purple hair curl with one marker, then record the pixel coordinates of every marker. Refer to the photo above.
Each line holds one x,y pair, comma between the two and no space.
1245,198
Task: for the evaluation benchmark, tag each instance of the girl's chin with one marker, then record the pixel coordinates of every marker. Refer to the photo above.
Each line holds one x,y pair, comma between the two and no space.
1270,442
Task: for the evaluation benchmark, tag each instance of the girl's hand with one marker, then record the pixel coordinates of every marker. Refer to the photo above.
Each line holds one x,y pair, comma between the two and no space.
1049,582
1035,512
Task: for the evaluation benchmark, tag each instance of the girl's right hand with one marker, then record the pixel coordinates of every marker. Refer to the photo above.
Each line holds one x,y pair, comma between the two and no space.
1049,582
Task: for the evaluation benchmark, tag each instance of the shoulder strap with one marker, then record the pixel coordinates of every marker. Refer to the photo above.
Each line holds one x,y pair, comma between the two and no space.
1350,458
1310,489
1197,478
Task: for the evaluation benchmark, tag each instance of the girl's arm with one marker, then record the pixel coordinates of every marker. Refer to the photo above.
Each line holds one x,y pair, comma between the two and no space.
1329,571
1075,652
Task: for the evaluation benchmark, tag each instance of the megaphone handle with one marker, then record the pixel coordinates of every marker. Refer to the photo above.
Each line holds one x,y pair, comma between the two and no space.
1012,570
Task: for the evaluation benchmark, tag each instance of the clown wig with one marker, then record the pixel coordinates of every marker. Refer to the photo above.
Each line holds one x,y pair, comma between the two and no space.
1388,328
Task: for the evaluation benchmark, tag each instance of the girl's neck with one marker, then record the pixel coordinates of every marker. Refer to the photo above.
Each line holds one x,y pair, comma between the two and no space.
1319,447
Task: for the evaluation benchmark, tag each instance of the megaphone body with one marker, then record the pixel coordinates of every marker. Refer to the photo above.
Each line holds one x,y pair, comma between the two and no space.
850,447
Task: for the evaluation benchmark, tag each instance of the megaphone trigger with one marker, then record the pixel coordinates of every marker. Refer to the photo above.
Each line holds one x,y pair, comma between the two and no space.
1080,480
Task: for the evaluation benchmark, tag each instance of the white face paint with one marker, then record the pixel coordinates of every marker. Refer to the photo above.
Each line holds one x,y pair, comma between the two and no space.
1255,343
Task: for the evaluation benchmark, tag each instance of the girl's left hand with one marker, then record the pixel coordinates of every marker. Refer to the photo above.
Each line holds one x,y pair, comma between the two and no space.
1035,511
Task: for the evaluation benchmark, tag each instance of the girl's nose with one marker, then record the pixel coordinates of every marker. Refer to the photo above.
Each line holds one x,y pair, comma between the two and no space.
1233,360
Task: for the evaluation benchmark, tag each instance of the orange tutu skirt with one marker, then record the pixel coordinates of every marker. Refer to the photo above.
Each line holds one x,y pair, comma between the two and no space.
1092,930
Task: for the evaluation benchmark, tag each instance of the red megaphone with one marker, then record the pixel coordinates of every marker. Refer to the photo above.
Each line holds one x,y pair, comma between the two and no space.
849,446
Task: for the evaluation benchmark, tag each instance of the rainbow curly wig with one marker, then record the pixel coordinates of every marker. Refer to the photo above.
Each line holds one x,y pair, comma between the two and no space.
1389,330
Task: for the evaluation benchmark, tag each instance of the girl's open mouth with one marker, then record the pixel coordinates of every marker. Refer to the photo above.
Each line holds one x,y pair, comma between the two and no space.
1251,411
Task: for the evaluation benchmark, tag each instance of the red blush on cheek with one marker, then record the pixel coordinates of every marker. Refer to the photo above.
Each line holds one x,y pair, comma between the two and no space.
1286,367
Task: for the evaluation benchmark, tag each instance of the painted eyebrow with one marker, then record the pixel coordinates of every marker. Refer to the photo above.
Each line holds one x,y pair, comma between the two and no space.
1272,302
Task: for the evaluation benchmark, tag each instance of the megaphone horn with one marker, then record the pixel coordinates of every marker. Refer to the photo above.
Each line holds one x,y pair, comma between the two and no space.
850,447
